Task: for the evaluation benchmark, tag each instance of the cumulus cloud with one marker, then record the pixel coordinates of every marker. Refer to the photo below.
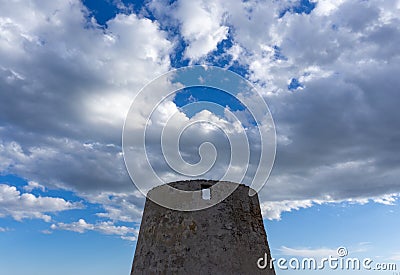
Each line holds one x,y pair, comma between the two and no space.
108,228
201,26
28,206
34,185
66,85
118,206
273,210
326,7
335,141
89,74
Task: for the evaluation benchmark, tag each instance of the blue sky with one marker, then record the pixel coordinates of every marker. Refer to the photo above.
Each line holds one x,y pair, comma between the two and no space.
69,70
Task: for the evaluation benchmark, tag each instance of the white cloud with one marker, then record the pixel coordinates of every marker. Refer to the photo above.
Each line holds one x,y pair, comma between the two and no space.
34,185
389,199
119,207
26,205
66,86
129,238
202,26
107,227
326,7
80,226
74,81
273,210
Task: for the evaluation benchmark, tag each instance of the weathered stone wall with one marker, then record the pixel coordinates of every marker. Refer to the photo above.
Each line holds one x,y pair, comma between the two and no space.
227,238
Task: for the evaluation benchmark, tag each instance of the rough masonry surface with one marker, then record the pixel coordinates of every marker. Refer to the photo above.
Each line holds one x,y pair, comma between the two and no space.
227,238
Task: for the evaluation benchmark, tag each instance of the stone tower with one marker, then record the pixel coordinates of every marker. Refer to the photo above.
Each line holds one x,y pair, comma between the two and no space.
227,238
